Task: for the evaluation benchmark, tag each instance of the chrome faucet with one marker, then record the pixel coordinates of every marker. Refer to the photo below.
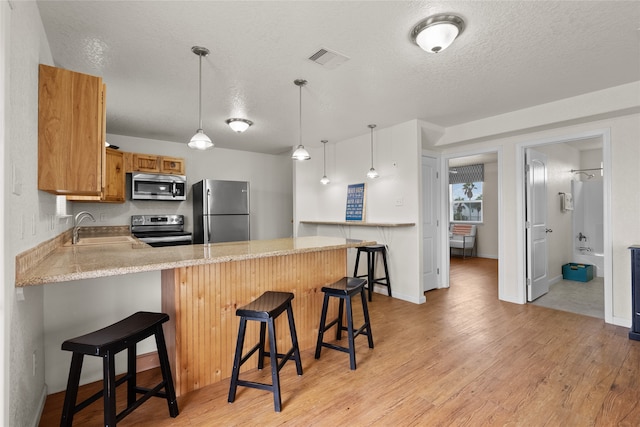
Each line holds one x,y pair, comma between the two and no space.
582,237
76,224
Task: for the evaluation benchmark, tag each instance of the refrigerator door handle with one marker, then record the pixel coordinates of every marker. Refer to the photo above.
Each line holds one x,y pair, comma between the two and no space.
206,222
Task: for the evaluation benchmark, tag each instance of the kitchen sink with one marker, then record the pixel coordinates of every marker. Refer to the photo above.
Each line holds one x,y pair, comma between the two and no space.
103,240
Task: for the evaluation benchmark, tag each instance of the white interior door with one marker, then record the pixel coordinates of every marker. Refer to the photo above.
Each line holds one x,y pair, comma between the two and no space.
536,224
430,209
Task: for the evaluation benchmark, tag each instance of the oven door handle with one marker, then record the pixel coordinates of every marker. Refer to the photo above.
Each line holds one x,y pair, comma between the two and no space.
160,239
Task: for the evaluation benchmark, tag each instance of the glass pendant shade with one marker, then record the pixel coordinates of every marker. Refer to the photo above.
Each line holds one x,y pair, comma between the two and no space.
325,180
200,141
437,32
300,152
372,174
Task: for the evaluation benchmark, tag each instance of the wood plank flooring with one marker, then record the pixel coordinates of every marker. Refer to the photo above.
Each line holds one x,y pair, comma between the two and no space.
462,358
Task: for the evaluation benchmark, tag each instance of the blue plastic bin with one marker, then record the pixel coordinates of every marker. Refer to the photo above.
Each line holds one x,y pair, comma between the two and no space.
577,272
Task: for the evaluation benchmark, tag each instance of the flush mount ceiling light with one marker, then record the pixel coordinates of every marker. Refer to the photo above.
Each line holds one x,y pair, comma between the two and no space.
372,174
200,141
437,32
324,179
300,153
239,125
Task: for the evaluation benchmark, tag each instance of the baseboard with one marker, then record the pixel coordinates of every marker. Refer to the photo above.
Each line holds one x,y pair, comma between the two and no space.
40,408
147,361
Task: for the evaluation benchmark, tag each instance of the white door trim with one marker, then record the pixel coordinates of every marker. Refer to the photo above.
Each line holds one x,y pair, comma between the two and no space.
605,134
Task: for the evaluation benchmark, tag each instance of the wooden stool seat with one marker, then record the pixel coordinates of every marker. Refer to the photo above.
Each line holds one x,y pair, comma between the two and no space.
106,343
265,309
344,289
371,252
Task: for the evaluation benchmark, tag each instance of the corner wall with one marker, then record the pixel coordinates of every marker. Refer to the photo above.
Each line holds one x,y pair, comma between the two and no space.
391,198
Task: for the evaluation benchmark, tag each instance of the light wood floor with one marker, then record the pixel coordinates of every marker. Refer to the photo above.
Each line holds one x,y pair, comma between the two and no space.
463,358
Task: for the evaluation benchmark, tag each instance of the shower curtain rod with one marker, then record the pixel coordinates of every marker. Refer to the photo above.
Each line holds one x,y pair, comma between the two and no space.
582,170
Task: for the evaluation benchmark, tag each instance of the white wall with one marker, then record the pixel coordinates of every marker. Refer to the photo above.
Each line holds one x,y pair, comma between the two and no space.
28,213
488,231
391,198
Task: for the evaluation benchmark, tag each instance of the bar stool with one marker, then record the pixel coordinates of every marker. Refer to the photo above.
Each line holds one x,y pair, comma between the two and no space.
344,289
371,252
106,343
265,310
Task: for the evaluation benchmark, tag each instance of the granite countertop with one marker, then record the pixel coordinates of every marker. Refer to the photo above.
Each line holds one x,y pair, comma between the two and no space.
66,263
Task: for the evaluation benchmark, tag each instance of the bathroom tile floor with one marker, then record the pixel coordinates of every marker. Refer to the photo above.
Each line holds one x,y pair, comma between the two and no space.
585,298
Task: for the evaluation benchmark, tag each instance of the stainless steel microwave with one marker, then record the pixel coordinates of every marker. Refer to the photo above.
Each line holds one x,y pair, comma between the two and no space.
145,186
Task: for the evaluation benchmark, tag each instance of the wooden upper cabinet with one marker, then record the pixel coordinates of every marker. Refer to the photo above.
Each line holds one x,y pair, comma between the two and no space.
153,163
172,165
114,189
146,163
71,132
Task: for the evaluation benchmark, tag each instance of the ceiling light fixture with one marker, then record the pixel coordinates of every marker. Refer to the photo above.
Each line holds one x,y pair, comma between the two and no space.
372,174
239,125
200,141
324,179
300,152
435,33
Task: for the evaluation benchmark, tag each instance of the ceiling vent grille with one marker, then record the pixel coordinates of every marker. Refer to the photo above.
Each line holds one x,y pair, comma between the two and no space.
328,59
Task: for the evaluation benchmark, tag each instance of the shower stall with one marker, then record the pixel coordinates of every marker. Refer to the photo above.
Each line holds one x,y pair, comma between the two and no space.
588,224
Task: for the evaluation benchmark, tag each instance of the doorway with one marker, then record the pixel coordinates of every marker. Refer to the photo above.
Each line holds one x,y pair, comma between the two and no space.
568,157
487,203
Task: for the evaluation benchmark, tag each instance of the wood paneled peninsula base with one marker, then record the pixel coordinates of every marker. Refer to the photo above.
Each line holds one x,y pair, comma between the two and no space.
201,301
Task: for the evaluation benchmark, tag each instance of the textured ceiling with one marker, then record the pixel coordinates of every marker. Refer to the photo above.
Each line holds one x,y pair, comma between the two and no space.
512,55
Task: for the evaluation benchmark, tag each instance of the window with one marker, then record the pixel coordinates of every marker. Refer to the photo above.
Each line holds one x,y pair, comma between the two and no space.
465,200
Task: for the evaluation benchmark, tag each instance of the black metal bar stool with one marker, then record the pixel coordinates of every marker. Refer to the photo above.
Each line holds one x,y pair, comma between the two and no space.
371,252
344,289
265,310
106,343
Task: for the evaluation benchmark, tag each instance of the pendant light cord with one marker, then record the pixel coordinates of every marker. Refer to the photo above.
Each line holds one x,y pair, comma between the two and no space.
371,147
200,93
300,123
324,158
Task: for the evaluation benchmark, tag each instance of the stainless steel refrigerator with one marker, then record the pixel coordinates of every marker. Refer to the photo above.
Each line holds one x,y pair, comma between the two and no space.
220,211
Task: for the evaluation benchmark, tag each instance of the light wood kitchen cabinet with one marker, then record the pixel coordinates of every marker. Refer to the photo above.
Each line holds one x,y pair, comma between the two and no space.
172,165
114,189
146,163
152,163
71,132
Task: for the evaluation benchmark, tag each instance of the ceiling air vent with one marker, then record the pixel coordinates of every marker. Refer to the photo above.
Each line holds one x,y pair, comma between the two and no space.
328,58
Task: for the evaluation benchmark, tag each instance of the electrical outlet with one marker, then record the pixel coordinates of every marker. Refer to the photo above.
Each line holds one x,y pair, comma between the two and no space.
33,224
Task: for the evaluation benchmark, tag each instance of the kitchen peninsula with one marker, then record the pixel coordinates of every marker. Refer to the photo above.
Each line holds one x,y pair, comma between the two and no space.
202,285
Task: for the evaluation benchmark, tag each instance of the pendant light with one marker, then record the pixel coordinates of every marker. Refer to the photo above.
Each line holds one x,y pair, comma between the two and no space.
300,153
324,179
372,174
200,141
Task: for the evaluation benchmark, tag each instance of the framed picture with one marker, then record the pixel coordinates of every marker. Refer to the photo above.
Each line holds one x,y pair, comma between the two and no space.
356,202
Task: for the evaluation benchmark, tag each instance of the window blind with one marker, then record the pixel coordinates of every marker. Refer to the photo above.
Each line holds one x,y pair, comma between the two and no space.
463,174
